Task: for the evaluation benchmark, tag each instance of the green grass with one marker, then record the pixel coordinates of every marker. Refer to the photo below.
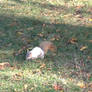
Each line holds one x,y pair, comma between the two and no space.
27,23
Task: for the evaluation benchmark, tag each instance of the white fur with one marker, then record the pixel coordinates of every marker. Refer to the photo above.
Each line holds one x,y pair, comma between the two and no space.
35,53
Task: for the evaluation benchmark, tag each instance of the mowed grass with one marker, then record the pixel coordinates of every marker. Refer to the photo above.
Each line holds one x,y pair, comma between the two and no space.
68,24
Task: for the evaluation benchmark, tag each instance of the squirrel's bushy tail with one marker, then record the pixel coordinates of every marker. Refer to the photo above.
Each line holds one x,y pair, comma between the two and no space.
47,45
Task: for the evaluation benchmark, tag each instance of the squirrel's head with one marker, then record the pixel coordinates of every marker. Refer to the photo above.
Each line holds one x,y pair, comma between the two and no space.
28,55
35,53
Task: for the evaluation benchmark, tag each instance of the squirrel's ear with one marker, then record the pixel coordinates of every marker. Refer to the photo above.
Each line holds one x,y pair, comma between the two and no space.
28,50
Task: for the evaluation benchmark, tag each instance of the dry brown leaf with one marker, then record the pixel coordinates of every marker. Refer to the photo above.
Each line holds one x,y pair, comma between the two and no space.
13,24
73,40
89,58
43,66
12,68
90,91
88,75
38,71
52,39
31,88
78,7
90,20
49,69
41,34
81,84
17,76
30,28
83,48
44,25
57,37
90,41
4,65
20,33
57,87
25,86
68,15
90,85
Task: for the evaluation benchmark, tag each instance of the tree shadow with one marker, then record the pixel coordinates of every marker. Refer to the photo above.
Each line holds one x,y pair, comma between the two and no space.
18,32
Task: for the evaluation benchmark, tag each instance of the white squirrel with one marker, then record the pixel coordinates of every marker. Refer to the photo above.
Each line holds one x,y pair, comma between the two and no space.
39,52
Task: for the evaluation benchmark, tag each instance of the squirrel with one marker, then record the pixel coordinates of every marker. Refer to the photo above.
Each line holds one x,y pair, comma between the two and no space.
41,51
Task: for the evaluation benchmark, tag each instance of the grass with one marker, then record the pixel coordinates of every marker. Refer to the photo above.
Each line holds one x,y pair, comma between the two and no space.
68,24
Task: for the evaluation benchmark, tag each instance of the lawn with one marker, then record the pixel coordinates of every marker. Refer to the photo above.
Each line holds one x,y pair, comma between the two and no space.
68,24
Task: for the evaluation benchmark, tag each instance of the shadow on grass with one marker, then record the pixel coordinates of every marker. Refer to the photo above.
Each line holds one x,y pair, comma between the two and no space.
17,32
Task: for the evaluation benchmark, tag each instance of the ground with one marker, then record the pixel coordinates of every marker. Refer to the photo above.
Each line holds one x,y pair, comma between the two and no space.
68,24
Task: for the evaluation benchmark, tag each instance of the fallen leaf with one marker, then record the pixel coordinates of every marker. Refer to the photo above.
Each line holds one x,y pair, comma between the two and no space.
10,44
30,28
4,65
90,41
78,7
67,15
13,23
90,20
57,37
88,75
20,33
44,25
49,69
57,87
89,58
25,86
81,84
12,68
83,48
17,76
38,71
32,88
43,66
41,34
73,41
90,85
52,39
90,91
